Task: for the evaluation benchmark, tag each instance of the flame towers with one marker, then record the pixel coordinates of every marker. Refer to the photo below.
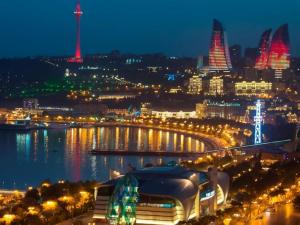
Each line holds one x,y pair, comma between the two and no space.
219,58
275,53
78,13
279,57
264,48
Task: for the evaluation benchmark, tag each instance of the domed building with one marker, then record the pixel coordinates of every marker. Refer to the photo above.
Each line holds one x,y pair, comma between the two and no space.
161,195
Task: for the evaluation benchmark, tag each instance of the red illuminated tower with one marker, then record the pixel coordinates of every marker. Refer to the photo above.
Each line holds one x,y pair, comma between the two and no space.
77,58
279,57
219,58
264,49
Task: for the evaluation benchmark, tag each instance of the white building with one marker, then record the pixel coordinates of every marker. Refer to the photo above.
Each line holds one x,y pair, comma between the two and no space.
174,114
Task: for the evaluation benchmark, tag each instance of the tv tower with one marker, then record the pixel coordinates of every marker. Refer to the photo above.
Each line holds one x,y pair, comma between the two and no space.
258,121
78,13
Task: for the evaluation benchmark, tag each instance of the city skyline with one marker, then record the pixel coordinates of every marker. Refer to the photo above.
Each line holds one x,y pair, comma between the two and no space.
163,112
129,26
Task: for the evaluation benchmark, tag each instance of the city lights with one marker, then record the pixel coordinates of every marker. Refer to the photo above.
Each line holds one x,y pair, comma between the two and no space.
162,120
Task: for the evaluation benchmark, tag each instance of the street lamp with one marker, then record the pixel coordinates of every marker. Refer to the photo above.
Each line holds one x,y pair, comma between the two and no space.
8,218
49,205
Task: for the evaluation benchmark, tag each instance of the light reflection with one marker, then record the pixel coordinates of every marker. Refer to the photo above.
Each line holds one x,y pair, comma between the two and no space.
35,144
159,143
150,139
141,162
117,137
175,142
65,153
288,211
23,142
182,143
94,167
139,139
126,138
46,144
94,145
189,147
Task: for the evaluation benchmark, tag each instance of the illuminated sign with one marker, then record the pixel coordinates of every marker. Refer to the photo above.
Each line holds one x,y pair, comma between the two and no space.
207,195
165,205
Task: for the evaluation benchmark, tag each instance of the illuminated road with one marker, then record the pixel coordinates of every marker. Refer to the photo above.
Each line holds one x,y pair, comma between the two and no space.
284,215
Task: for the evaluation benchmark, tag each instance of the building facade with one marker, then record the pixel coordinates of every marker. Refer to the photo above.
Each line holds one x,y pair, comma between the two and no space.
160,195
264,50
224,110
219,57
195,85
253,88
279,58
174,114
216,86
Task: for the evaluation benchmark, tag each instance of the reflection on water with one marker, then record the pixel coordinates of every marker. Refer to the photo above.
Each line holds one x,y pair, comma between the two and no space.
129,139
28,158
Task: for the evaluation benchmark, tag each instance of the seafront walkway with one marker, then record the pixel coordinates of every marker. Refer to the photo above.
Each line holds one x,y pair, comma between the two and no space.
213,142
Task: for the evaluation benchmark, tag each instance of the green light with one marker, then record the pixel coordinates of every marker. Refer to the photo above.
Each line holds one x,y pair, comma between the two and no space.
122,205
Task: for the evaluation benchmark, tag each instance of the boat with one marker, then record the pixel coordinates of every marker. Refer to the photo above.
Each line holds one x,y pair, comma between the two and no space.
58,125
17,124
74,125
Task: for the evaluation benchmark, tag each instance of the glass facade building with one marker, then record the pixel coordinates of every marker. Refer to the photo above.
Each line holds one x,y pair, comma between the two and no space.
219,57
264,50
279,57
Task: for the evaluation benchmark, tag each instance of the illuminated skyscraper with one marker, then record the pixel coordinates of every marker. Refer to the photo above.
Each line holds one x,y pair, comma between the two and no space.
279,57
219,58
264,49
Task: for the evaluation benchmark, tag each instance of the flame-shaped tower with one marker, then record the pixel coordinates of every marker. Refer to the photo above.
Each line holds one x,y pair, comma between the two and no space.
279,58
219,58
78,13
264,50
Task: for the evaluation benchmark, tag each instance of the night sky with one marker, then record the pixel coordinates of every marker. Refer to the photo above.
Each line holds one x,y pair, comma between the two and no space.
173,27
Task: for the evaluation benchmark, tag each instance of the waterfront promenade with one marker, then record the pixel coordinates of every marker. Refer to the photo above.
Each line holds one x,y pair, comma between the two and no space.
213,142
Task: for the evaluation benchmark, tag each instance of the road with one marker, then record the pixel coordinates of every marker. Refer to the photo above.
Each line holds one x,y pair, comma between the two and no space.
284,215
86,219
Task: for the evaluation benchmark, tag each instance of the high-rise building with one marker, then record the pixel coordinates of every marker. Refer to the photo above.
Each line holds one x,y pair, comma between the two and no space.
235,55
264,48
250,56
200,62
216,86
219,58
279,58
195,85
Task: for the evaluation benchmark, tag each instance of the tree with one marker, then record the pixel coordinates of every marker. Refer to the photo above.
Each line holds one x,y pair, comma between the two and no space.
297,202
32,220
32,197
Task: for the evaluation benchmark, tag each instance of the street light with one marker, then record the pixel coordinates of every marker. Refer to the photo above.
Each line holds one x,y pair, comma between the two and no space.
49,205
33,211
8,218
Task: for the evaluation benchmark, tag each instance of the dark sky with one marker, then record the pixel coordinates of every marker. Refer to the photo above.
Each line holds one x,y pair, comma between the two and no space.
174,27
